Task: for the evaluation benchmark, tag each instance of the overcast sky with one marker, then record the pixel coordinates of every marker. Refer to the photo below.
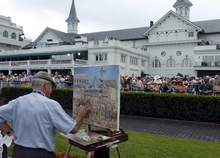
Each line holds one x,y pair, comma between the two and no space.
97,15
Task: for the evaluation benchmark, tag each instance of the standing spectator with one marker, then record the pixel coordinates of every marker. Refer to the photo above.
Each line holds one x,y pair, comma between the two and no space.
126,84
121,83
2,77
164,88
216,88
22,79
180,88
139,85
173,87
206,88
59,81
29,78
155,87
157,79
69,81
15,77
10,77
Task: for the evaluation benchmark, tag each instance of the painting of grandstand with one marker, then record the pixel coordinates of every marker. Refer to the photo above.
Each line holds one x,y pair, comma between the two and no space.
98,88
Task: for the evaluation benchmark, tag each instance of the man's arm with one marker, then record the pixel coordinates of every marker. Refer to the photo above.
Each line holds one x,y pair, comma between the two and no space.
4,127
79,118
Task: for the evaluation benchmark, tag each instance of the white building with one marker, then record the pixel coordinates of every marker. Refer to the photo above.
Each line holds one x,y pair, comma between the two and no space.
171,45
11,35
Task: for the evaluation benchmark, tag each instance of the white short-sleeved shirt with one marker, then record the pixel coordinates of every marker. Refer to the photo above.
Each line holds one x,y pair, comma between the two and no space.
35,119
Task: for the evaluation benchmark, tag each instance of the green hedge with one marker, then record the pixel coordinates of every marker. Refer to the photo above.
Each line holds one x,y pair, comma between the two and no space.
62,95
169,106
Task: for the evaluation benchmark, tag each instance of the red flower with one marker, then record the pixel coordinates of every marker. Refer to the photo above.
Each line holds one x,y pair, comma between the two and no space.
69,156
63,154
92,156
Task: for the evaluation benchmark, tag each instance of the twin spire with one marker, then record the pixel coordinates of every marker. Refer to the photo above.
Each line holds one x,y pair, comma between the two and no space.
183,8
72,20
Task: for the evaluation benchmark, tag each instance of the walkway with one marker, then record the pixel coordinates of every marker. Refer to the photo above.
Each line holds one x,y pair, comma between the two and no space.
175,128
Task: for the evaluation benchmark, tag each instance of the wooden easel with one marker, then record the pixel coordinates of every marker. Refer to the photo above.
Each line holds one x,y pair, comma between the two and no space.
112,139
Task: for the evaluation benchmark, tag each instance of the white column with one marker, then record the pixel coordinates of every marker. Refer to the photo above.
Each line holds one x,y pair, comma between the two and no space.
127,65
49,71
9,71
27,71
139,66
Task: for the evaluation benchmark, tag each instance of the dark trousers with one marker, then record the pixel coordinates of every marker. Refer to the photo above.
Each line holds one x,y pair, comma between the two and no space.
102,153
24,152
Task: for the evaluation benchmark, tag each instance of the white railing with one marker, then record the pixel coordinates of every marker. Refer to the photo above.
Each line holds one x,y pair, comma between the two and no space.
50,63
62,62
213,63
4,63
39,62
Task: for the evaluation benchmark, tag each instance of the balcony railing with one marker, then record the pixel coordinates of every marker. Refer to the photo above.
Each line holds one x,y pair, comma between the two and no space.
213,63
48,63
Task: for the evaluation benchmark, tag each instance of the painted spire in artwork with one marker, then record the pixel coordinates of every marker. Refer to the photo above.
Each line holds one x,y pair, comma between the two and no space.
72,20
102,73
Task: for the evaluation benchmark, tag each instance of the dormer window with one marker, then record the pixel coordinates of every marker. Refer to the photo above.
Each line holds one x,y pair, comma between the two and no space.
191,34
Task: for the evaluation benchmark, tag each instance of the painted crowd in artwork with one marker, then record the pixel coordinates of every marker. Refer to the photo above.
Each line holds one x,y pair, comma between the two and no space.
98,88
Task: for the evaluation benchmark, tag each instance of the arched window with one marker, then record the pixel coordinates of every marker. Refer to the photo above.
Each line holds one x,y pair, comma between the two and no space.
186,62
156,63
5,34
13,36
171,63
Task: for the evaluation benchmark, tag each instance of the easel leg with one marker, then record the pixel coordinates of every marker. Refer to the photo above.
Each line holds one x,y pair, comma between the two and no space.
68,150
118,150
89,155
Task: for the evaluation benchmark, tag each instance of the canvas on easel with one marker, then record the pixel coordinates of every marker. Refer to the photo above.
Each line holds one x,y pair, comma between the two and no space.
98,87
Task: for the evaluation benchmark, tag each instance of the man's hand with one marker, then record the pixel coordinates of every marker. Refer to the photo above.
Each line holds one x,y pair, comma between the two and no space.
82,110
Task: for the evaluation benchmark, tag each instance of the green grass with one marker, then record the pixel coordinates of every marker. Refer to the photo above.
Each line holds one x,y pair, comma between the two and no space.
143,145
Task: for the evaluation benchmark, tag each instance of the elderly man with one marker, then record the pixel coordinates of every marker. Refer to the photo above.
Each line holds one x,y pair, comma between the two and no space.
35,118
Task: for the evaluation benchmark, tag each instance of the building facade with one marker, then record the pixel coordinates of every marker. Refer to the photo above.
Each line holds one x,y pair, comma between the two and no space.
169,46
11,35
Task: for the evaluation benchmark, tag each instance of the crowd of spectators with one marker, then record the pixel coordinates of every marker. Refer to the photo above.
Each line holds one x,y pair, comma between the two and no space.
24,79
206,85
